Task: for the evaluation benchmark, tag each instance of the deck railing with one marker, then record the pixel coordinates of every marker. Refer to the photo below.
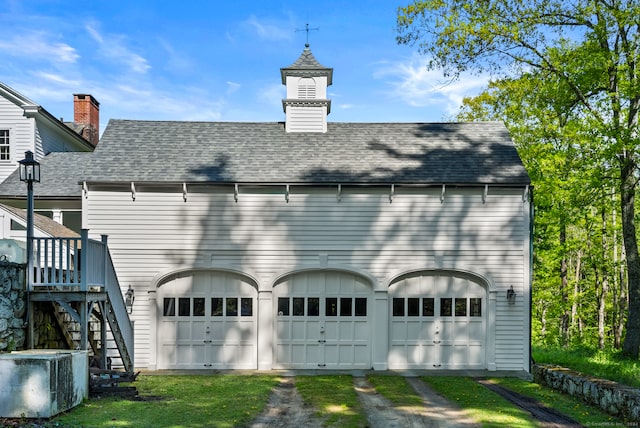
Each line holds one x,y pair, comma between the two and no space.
71,262
82,265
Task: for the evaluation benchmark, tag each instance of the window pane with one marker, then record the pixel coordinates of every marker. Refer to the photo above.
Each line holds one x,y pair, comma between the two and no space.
445,306
346,306
5,148
298,306
246,307
413,306
475,307
428,307
216,306
169,307
361,306
232,306
283,306
184,306
17,226
331,309
461,307
198,306
398,307
313,309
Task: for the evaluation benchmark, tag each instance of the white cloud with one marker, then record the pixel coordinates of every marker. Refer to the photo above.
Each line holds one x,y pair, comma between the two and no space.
413,83
232,87
269,31
114,47
37,45
272,95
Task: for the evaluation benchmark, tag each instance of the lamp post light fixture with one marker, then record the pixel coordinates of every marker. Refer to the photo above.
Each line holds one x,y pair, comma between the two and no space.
129,298
29,173
511,296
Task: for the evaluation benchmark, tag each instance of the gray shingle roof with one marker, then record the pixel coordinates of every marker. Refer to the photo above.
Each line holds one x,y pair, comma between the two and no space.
60,173
245,152
43,223
242,152
307,65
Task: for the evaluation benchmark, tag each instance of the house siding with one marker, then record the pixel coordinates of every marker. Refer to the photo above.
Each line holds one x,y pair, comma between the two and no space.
21,134
366,229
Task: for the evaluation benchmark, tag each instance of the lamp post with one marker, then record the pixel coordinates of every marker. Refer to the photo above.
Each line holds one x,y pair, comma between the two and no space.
29,173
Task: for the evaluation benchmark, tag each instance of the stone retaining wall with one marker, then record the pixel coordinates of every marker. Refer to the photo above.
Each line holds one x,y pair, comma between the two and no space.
13,306
614,398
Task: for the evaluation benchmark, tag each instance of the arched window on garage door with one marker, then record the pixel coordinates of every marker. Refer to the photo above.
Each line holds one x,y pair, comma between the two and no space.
323,320
207,320
437,321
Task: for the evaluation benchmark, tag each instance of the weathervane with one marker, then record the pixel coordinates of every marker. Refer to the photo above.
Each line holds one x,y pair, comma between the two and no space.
307,29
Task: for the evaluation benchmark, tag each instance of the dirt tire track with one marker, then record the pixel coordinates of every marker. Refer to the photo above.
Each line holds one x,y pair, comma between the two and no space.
436,411
548,417
286,409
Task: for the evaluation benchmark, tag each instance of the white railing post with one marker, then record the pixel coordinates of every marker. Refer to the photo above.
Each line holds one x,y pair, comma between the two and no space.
105,259
84,259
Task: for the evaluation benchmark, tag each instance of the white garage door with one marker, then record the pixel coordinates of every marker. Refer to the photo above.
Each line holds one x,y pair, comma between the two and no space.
437,322
207,320
323,321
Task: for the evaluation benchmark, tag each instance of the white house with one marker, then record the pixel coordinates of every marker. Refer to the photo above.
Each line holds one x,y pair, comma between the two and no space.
315,245
27,126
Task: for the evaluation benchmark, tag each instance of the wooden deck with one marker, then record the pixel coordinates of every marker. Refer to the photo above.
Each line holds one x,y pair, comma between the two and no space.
78,274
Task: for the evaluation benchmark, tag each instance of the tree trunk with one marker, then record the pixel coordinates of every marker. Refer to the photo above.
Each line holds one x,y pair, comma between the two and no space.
564,294
604,289
617,318
631,345
543,321
575,317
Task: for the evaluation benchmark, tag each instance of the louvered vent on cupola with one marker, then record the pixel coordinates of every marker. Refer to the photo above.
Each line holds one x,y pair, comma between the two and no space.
306,106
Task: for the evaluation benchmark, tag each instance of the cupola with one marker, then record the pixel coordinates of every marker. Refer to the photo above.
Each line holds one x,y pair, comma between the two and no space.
306,106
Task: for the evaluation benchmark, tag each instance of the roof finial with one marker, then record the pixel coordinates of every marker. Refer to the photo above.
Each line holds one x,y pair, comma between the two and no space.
307,29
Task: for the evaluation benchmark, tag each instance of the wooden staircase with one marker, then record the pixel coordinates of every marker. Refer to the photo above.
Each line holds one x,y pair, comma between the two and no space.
78,277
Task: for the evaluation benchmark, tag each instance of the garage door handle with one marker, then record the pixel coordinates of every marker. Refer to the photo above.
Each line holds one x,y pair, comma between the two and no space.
322,341
208,341
436,341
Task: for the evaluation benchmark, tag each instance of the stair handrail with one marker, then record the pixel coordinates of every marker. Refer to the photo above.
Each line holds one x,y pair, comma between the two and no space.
116,300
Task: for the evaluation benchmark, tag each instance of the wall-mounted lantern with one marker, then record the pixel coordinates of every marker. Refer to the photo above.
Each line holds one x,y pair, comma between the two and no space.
129,298
511,296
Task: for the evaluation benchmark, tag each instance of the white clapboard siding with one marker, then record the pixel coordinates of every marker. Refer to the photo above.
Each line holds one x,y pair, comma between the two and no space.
265,236
21,134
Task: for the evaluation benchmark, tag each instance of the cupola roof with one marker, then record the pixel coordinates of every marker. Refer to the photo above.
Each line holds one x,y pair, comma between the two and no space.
306,66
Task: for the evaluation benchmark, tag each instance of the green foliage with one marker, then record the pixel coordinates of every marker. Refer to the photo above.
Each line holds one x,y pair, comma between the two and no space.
334,399
568,87
179,402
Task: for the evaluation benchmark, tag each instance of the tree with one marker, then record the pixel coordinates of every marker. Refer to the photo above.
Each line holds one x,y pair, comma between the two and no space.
590,48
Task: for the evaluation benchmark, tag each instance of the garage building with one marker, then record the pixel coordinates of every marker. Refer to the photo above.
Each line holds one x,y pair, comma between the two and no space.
307,244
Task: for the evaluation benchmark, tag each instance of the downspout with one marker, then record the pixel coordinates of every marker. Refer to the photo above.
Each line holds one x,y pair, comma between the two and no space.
531,222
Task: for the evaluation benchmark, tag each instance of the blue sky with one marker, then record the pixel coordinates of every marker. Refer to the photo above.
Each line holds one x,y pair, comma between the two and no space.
217,60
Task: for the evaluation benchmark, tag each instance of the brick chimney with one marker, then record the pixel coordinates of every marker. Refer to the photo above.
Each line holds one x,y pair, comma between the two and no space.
86,112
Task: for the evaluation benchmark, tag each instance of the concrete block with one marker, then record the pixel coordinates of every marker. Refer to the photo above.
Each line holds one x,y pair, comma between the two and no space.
41,383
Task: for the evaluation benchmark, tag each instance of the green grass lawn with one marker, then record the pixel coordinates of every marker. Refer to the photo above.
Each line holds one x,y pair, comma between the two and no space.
178,402
492,410
334,399
197,401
